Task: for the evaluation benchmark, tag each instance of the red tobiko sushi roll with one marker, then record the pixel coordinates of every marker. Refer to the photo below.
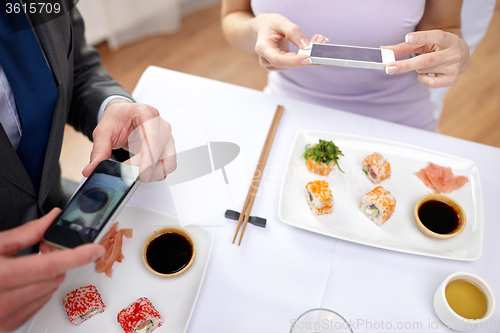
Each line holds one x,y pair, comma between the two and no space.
139,317
82,304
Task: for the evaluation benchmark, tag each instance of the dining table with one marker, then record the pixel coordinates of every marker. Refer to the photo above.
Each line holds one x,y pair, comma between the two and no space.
280,271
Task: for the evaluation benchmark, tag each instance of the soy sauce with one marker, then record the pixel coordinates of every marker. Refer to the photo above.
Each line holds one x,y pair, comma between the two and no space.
169,253
438,216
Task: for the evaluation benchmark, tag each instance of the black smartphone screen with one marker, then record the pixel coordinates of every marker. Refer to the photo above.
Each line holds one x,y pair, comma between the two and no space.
346,53
94,203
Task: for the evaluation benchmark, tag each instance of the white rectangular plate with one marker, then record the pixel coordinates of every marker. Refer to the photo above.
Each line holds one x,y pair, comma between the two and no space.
400,232
174,297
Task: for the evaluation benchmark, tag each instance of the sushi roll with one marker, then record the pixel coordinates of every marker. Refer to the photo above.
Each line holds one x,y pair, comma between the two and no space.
376,168
322,157
82,304
319,197
378,205
139,317
319,168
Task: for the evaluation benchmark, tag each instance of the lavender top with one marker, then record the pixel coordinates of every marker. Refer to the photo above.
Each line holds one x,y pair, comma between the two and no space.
399,98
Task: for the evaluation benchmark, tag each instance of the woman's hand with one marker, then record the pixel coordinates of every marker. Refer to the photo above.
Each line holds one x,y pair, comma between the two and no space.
274,32
443,54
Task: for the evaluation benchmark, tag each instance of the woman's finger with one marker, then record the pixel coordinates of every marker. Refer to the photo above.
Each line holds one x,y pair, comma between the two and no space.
323,40
319,39
287,60
431,37
291,31
442,70
436,81
274,69
403,49
268,66
420,62
263,61
315,38
269,50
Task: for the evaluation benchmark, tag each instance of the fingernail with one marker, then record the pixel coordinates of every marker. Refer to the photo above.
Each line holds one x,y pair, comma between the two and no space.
84,169
306,61
304,42
326,40
391,69
409,38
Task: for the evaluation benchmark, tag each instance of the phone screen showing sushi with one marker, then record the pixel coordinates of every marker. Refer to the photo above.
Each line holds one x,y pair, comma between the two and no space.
346,53
92,205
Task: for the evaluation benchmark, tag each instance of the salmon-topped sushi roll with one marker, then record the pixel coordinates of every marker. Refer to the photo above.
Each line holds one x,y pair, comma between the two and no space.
378,205
322,157
319,168
319,197
376,168
82,304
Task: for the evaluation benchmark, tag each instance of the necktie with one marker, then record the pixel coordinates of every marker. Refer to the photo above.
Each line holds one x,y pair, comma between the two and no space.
33,87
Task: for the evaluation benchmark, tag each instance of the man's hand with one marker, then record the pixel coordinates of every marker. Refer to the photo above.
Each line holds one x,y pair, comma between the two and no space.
139,129
28,282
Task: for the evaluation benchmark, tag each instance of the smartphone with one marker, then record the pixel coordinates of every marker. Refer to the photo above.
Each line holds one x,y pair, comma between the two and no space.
349,56
98,201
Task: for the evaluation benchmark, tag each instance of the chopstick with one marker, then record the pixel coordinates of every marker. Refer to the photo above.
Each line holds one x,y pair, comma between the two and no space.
259,170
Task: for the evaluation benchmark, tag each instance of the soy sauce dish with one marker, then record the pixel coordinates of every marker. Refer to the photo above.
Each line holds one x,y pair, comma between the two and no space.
169,251
439,216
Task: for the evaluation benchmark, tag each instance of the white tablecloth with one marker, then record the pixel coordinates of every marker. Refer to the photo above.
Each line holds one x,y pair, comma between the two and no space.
281,271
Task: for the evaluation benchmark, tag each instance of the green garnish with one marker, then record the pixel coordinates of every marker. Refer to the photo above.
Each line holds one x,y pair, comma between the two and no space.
324,151
366,172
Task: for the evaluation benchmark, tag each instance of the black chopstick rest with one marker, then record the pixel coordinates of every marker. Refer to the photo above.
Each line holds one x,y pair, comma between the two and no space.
256,221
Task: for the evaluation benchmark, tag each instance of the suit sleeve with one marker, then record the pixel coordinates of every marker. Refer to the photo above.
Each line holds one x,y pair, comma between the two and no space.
92,84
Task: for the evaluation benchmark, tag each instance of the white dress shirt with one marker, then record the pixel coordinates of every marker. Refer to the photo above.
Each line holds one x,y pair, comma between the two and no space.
9,118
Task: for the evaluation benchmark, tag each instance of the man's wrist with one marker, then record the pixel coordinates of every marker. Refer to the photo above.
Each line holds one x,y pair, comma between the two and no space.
110,101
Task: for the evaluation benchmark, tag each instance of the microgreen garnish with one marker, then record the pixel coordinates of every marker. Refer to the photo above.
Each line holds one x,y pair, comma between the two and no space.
324,151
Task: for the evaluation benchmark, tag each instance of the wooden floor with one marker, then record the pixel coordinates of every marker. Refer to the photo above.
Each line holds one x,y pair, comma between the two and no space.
471,111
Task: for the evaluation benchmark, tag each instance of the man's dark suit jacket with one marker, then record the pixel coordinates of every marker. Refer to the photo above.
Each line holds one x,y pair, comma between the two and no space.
83,85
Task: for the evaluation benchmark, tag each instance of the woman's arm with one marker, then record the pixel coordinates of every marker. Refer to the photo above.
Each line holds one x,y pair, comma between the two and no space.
438,41
441,15
268,35
237,18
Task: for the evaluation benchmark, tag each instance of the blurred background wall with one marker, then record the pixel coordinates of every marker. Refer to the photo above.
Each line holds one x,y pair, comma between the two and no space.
121,22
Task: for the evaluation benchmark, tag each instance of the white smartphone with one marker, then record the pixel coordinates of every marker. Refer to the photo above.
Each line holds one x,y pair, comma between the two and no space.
349,56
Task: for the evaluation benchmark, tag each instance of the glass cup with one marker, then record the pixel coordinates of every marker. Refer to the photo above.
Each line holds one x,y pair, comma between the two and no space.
320,321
